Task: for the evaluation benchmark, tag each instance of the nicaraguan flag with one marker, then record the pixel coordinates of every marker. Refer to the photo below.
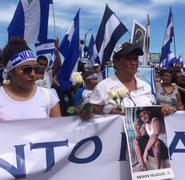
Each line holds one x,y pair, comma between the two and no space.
69,48
92,51
170,61
110,30
180,61
167,40
30,20
46,47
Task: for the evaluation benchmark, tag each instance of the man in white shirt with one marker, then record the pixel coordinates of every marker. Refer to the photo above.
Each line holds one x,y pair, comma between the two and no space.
126,63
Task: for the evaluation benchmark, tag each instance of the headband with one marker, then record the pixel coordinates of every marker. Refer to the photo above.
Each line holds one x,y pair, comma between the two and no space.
92,76
20,58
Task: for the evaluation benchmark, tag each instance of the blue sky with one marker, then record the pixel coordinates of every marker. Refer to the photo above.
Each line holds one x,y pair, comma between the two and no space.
92,12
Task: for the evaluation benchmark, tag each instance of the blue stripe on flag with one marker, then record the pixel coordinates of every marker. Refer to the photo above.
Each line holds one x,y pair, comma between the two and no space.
16,26
70,50
118,32
110,30
44,10
24,26
100,35
167,41
46,47
91,47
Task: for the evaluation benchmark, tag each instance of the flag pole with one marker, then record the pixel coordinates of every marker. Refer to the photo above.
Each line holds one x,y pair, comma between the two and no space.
147,39
54,25
174,33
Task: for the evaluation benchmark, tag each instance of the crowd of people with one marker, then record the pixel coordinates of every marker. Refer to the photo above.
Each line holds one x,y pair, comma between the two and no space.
33,90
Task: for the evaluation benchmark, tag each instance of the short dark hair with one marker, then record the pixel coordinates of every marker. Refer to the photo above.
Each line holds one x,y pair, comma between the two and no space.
42,57
13,47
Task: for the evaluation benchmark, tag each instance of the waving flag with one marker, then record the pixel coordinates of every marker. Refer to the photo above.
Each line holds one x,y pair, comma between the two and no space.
169,34
110,30
30,20
180,61
46,47
92,51
69,48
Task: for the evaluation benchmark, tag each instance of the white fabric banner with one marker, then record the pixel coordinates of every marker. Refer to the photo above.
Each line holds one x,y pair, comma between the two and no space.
66,148
175,126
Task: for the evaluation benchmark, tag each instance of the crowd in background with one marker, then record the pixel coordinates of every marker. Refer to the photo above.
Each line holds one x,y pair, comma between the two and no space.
170,83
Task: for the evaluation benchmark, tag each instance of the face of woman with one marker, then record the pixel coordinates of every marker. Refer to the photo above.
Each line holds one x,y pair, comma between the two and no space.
144,116
91,83
23,76
127,65
167,78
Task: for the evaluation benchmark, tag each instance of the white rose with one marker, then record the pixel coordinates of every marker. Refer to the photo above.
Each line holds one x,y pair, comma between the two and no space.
113,94
122,92
77,78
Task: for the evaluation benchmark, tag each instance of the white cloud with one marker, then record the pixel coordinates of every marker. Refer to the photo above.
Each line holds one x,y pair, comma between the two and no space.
7,12
167,2
92,11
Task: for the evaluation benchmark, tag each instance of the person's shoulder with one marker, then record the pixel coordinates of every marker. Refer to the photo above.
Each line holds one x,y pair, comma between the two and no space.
156,120
142,83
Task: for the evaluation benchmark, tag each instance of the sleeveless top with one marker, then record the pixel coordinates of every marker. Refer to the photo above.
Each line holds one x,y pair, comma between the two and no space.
162,136
167,98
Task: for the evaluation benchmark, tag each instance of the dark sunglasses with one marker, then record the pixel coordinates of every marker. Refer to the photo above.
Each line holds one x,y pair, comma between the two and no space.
29,69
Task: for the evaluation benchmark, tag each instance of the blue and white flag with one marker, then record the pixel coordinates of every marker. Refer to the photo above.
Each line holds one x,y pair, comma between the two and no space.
167,39
170,61
47,47
180,61
110,31
30,21
69,48
92,51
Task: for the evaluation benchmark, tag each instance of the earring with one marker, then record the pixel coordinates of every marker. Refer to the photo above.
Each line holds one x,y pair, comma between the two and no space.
6,81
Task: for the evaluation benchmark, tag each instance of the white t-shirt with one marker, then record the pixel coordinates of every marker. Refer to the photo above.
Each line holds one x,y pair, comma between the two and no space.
142,96
47,81
34,108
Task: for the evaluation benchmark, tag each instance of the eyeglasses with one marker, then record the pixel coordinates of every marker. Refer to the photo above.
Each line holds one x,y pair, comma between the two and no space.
29,69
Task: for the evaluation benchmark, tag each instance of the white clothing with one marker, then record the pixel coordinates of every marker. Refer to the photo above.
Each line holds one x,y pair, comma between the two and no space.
47,81
34,108
142,96
150,131
86,95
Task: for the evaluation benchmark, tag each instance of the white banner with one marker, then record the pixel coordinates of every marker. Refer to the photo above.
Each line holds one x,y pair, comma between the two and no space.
175,125
67,149
64,148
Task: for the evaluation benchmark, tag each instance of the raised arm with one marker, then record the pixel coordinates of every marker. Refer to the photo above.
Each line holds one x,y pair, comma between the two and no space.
57,64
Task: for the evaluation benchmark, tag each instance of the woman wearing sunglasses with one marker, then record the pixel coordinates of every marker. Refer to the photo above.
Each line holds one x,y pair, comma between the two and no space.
22,99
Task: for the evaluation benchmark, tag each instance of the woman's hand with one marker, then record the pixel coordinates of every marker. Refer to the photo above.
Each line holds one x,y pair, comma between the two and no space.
167,109
116,110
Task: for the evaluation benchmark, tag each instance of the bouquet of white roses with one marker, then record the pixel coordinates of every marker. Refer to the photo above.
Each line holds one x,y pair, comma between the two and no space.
76,78
118,95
